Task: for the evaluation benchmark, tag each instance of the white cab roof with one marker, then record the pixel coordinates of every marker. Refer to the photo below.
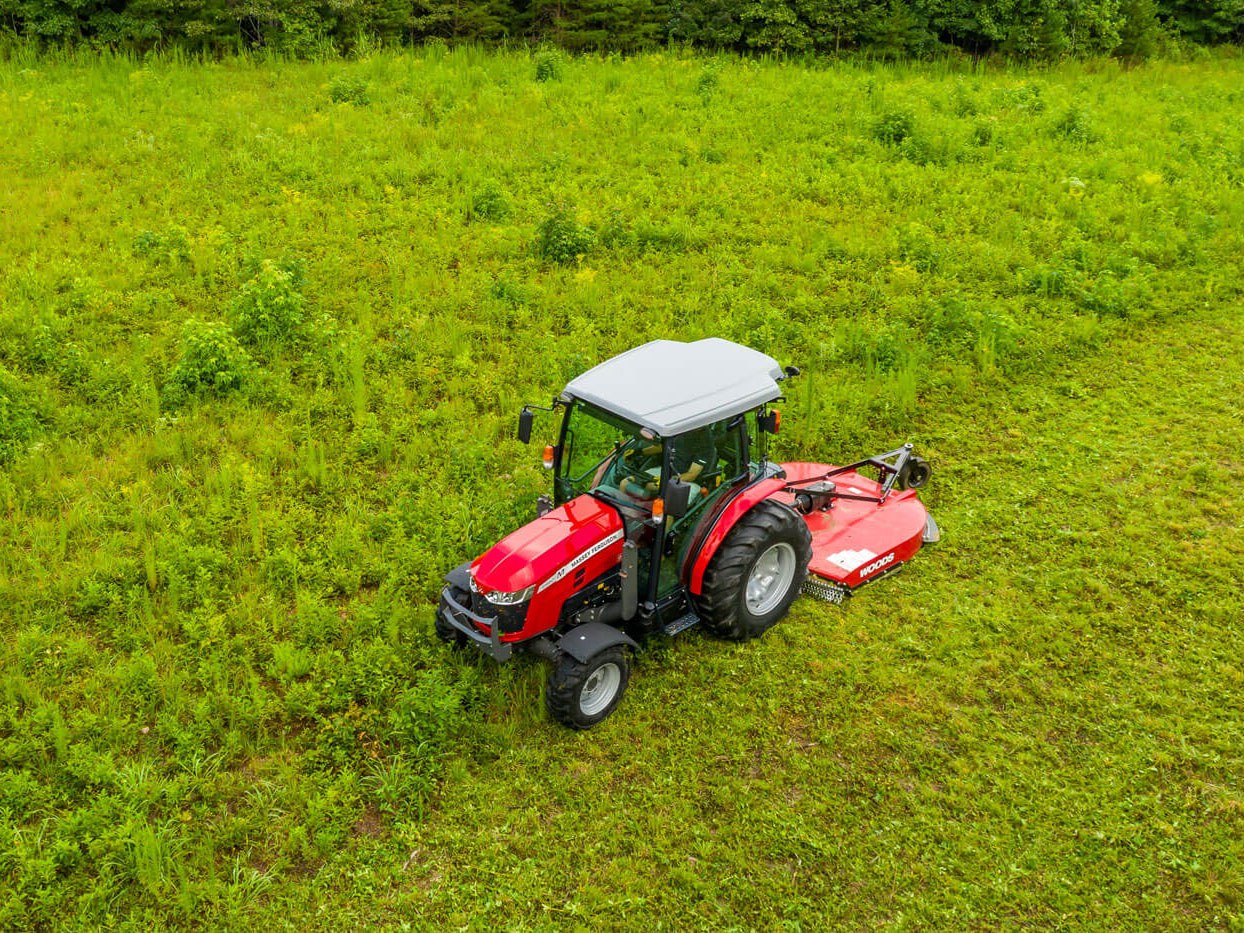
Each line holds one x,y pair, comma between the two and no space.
672,387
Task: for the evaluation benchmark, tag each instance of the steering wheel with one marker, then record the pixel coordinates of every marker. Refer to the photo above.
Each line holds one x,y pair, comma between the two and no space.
602,469
633,470
629,463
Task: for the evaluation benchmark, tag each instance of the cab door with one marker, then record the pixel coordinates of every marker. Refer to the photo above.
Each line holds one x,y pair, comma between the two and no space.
727,470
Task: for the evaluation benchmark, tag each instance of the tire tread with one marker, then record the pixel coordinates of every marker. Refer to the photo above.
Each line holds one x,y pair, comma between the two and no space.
561,695
721,601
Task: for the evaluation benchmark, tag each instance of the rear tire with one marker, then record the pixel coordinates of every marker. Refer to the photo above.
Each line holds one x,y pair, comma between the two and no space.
756,573
581,694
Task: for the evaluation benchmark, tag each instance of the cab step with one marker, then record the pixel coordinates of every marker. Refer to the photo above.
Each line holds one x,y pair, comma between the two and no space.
681,624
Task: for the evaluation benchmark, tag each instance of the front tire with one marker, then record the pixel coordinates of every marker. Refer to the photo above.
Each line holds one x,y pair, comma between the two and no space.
446,632
756,573
581,694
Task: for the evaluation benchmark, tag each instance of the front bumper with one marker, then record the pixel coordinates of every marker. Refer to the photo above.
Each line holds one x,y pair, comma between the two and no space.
461,618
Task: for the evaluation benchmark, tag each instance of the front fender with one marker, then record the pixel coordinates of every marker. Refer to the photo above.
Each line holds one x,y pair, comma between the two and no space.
737,508
584,641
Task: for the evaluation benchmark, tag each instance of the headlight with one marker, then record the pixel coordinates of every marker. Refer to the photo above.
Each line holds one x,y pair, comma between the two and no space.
510,599
474,585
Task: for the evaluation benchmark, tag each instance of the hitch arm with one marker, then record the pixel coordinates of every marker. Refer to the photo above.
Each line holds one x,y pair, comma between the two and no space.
889,465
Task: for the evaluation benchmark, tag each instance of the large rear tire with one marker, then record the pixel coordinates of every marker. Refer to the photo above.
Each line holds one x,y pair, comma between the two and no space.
756,573
581,694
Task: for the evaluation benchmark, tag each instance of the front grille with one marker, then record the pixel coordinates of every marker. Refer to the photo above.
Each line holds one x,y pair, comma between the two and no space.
508,618
482,607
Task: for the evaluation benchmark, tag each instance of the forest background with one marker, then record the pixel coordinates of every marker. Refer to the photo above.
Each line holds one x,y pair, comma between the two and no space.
1028,29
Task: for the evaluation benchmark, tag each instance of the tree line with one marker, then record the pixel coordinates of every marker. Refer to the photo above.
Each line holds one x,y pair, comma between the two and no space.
1037,29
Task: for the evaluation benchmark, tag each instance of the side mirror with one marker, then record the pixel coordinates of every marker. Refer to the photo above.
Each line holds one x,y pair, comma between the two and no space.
525,419
677,498
771,422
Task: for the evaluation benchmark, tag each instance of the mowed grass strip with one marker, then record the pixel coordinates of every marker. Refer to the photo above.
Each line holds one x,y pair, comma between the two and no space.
261,347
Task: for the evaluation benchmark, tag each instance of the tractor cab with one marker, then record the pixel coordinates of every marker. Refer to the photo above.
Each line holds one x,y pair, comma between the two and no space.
661,487
666,433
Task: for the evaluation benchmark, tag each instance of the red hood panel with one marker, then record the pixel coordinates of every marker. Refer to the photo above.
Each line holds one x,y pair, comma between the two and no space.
539,549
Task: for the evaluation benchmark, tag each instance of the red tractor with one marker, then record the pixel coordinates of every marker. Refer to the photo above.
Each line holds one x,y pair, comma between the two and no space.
666,513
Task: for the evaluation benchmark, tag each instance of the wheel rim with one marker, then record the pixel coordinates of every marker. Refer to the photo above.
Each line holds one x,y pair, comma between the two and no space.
600,689
770,578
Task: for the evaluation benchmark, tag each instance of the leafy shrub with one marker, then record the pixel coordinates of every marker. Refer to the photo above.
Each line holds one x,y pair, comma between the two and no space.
425,716
954,329
949,323
1074,125
549,66
490,203
894,126
289,662
708,83
47,349
18,420
1025,98
280,572
269,309
919,150
1050,281
1106,297
963,102
512,294
918,246
614,232
171,247
349,89
563,239
211,361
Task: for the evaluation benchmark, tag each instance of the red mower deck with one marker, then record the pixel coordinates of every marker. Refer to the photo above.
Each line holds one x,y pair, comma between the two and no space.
855,541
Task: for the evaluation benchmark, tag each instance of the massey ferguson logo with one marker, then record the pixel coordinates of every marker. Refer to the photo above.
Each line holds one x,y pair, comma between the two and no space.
586,555
876,565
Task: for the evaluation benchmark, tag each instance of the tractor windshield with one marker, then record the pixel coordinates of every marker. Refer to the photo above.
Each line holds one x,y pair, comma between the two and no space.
607,456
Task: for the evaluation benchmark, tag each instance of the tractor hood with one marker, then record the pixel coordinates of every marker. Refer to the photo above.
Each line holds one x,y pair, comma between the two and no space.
546,550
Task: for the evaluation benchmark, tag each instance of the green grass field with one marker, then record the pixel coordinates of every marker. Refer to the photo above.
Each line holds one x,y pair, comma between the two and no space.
264,331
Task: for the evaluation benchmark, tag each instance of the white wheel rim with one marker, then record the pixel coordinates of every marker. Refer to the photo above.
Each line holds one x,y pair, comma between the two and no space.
770,579
600,689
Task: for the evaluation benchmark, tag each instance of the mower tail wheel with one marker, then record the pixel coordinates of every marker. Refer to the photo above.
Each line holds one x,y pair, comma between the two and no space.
756,573
915,473
581,694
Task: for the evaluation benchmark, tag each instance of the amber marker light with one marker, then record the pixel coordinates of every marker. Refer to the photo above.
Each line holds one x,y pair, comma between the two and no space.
548,457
